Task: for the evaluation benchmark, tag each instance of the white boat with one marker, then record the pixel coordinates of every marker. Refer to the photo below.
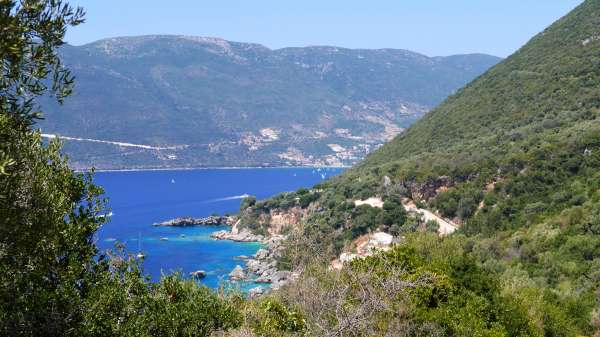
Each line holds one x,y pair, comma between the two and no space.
140,255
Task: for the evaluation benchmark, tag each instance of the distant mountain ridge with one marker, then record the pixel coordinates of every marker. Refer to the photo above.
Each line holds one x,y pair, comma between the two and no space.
225,103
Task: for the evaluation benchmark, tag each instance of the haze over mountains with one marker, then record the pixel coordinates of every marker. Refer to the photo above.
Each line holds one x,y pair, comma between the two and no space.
195,101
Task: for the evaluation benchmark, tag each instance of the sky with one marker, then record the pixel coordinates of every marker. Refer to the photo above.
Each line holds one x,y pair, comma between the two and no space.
431,27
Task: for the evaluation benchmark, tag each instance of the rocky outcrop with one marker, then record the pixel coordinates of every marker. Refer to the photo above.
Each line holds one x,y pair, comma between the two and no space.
242,236
264,264
364,246
237,274
199,274
430,188
262,268
279,219
213,220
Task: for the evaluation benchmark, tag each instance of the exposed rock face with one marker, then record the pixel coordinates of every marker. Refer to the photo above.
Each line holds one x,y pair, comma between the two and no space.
261,254
263,266
281,219
428,189
242,236
365,245
381,239
212,220
198,274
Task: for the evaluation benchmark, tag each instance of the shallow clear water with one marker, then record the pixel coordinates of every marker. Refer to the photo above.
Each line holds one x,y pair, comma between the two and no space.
138,199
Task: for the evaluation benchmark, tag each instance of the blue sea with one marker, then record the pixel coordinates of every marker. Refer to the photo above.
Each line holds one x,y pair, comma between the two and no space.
137,199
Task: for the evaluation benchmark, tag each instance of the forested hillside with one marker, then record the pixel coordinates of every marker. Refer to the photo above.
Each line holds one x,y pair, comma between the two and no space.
513,160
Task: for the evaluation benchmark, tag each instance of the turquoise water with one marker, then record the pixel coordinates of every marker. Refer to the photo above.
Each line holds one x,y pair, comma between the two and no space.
138,199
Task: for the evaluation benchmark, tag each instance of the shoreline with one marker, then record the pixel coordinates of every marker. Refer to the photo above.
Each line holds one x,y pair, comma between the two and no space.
208,168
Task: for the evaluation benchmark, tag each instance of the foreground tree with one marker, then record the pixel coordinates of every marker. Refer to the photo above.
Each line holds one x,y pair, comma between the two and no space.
52,280
47,214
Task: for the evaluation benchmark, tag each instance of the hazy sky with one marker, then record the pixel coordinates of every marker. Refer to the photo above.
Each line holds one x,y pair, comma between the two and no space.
432,27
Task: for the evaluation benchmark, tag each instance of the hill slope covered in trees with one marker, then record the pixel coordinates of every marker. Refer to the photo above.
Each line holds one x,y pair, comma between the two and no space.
513,158
517,167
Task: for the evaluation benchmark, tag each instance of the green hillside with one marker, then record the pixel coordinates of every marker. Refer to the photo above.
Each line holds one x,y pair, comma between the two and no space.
524,133
513,159
529,124
549,86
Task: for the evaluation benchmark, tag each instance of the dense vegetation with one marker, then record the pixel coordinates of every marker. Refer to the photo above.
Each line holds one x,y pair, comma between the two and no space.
514,157
432,287
52,282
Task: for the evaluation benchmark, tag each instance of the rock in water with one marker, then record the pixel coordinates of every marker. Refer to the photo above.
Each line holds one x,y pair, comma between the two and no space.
237,274
213,220
243,236
198,274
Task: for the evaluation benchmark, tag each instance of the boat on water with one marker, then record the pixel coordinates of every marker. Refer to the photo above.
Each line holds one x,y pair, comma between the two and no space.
140,255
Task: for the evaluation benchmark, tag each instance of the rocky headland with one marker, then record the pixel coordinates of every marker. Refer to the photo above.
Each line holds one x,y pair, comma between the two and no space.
242,236
213,220
262,266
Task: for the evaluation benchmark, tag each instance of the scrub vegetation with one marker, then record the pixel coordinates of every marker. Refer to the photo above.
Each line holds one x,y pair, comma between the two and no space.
514,158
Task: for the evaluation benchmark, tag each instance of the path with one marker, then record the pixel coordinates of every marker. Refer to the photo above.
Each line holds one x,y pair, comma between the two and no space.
140,146
446,226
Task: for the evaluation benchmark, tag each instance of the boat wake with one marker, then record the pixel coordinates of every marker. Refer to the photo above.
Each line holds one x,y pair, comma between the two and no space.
235,197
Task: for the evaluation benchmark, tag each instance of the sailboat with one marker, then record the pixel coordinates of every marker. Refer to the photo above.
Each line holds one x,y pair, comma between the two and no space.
140,255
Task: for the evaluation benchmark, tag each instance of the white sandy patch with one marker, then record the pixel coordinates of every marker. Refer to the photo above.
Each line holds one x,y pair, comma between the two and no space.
373,202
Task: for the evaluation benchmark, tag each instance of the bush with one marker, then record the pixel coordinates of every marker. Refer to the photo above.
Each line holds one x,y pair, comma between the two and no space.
364,219
247,202
271,318
122,303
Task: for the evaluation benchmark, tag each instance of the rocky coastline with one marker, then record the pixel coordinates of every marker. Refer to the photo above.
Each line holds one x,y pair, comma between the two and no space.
242,236
262,266
259,268
213,220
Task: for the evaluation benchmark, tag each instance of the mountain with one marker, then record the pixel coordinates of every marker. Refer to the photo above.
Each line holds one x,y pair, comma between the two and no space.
512,162
196,101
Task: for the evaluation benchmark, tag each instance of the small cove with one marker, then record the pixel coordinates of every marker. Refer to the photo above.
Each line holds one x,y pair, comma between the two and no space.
137,199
